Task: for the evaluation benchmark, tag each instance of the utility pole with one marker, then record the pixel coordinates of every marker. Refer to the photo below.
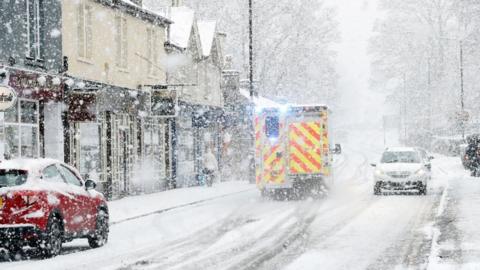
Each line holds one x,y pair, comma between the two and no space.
430,96
405,108
250,37
462,102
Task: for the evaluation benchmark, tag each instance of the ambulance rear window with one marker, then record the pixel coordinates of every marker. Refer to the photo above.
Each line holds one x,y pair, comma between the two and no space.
272,124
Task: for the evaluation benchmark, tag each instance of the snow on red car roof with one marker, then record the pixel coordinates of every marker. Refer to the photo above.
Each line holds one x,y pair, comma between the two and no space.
28,164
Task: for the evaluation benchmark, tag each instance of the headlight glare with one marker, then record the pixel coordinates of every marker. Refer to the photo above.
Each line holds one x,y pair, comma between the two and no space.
420,172
379,172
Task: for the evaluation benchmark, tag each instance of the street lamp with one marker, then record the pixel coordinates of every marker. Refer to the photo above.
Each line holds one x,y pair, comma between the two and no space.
462,115
250,37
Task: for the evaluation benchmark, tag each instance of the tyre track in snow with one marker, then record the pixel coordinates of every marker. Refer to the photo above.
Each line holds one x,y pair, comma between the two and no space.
250,254
285,256
141,257
295,243
287,237
161,211
353,210
178,252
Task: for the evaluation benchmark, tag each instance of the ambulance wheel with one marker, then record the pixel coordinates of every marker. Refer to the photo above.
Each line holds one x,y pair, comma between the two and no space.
280,194
377,190
264,192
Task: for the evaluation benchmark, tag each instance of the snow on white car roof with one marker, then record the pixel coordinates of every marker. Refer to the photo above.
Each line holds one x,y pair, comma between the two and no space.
28,164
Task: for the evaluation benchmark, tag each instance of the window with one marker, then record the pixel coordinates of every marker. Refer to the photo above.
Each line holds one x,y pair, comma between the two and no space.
21,130
28,112
35,36
121,55
400,157
152,51
51,174
70,177
11,178
84,30
272,127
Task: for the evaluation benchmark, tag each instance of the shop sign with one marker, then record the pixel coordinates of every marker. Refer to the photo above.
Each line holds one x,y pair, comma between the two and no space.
8,98
164,103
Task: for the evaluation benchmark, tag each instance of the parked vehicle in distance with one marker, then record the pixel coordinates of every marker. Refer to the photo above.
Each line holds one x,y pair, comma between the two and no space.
45,202
468,153
402,169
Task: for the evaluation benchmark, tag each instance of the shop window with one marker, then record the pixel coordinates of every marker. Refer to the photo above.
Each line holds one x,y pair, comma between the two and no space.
21,130
11,115
28,141
28,112
89,143
12,141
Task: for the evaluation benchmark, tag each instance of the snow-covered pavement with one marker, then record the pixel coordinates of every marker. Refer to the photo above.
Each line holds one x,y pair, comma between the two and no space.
231,227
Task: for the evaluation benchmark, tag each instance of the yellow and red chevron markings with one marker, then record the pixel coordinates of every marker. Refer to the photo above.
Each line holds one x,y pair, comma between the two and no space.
274,159
305,140
258,148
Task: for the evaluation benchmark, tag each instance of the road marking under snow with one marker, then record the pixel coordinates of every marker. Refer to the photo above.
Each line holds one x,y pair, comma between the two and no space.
160,211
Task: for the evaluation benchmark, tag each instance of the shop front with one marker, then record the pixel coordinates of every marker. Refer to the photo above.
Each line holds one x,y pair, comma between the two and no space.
23,132
198,131
113,139
101,132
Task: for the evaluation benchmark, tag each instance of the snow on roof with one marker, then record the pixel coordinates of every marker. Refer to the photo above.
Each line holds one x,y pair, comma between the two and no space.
206,30
310,105
401,149
148,10
180,30
260,101
263,102
130,3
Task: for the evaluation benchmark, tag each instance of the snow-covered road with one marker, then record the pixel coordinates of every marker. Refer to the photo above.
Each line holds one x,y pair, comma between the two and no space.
350,229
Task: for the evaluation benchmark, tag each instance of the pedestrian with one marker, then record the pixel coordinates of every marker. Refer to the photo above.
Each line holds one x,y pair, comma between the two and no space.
472,153
210,167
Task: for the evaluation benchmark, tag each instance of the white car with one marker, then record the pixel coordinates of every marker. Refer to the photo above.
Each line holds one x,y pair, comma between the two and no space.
402,169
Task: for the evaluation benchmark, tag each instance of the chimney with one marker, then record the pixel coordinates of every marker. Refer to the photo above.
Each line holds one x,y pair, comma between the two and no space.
177,3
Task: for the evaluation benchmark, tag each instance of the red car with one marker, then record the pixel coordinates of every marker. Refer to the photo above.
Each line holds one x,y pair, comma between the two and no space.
44,203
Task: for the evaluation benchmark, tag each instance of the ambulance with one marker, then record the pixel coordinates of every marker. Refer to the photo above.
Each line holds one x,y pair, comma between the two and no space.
292,150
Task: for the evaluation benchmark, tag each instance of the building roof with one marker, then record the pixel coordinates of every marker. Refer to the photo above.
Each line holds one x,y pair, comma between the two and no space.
206,30
138,11
260,101
181,29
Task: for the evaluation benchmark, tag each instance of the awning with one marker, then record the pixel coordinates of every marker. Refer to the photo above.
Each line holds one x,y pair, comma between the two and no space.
36,86
84,104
